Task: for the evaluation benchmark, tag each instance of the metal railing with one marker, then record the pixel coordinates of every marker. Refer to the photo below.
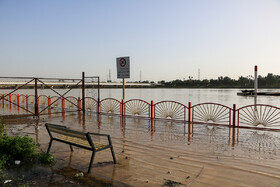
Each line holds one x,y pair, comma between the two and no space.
258,116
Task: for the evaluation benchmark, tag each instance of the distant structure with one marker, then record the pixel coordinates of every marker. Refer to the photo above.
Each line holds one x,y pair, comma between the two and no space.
198,74
140,76
109,79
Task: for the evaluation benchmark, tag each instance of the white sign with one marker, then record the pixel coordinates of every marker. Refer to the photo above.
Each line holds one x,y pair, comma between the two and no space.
123,69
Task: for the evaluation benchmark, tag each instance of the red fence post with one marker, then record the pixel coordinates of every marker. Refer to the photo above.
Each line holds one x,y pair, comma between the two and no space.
234,115
18,100
152,109
79,103
190,112
49,102
62,103
122,108
3,99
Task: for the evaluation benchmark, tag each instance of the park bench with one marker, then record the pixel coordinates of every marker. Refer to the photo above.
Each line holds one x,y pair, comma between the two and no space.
80,139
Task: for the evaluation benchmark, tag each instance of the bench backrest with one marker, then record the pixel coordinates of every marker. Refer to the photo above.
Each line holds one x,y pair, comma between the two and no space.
62,130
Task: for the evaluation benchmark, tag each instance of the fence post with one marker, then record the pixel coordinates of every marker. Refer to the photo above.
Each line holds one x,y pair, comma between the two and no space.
98,106
49,101
49,106
79,103
190,112
10,99
152,109
18,100
36,98
3,99
122,108
234,115
62,103
26,98
83,93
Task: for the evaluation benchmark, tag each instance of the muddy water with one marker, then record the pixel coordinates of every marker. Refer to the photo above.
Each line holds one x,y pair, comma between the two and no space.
226,97
162,153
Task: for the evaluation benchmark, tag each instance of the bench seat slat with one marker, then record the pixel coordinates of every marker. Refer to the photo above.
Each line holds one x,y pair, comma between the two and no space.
81,142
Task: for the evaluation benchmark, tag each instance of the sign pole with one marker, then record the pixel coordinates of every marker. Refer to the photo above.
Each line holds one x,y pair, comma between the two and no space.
123,89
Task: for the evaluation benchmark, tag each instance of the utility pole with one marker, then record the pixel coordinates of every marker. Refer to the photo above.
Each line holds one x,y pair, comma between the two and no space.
110,79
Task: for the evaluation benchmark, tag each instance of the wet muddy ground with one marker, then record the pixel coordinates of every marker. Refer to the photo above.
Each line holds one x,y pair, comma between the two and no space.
154,153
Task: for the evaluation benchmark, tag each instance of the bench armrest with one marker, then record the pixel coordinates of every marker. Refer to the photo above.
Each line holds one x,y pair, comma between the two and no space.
107,135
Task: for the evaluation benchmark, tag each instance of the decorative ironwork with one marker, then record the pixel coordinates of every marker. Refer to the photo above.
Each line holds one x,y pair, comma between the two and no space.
211,113
22,99
170,110
31,99
71,102
137,107
110,105
259,115
91,104
43,100
56,100
13,97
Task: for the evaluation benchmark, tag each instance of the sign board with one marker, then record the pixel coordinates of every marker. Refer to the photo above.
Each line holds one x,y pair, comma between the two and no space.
123,69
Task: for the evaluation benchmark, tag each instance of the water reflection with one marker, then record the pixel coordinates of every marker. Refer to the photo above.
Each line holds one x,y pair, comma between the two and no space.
136,140
213,138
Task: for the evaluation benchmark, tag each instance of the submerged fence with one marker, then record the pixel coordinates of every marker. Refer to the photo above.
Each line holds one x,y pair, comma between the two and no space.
252,116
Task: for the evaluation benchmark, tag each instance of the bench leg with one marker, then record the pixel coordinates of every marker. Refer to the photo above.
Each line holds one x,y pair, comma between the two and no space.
112,149
91,161
50,144
113,155
71,147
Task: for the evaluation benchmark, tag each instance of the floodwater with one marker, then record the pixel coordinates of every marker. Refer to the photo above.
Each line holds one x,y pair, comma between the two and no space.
226,97
158,153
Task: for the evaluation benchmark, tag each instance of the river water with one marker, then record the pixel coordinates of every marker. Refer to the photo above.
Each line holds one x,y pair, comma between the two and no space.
226,97
153,152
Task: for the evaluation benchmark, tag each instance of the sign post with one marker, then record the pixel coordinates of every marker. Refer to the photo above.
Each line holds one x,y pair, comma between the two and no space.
123,70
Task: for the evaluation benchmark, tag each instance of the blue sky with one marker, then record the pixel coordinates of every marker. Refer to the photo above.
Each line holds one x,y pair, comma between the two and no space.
165,39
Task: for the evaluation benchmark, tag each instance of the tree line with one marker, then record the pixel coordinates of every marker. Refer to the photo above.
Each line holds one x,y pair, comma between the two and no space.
269,81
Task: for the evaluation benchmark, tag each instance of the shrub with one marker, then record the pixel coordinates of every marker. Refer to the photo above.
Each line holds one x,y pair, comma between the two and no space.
45,158
21,148
17,148
2,127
